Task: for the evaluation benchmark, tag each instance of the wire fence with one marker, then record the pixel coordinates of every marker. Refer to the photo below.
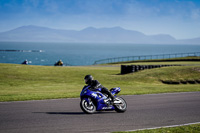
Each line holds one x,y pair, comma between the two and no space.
145,57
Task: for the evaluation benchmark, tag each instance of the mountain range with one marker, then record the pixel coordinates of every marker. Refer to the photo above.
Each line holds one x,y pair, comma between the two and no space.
33,33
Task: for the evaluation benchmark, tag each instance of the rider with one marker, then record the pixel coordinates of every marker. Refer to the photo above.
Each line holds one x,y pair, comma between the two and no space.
95,85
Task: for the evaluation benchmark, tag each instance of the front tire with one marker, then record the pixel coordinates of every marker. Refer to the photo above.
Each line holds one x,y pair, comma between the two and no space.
120,108
87,108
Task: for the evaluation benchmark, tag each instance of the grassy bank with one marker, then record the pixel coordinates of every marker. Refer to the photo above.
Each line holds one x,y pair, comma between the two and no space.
21,82
180,129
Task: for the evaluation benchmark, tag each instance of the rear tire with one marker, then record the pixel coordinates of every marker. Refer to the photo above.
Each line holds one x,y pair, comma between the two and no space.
87,108
120,108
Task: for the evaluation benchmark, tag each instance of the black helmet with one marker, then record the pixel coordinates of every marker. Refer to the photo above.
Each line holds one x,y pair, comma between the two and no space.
88,79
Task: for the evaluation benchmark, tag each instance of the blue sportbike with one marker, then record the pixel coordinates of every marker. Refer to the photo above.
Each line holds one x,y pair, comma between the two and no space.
94,100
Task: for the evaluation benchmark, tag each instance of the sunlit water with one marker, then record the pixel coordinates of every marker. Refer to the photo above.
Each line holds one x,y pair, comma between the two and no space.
82,53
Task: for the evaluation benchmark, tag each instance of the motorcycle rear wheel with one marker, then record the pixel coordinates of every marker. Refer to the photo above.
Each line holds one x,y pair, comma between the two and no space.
87,108
120,108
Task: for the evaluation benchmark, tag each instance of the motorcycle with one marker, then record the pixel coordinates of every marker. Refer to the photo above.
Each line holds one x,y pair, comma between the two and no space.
94,100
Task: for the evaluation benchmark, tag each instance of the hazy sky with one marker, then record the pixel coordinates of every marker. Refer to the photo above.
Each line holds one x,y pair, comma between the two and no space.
179,18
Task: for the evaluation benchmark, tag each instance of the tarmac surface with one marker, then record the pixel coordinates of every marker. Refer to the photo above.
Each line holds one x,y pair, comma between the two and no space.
65,115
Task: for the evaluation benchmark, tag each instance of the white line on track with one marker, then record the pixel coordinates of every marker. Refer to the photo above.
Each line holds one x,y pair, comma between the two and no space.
164,127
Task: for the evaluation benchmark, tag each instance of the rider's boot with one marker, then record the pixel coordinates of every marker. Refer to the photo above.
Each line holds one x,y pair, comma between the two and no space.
112,99
115,100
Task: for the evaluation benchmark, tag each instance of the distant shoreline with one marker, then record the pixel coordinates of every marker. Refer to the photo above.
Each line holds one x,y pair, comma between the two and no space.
21,50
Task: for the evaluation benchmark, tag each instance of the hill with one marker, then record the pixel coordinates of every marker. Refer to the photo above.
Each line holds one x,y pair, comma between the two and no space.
33,33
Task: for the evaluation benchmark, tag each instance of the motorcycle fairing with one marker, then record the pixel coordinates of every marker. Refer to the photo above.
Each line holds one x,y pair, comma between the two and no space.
98,97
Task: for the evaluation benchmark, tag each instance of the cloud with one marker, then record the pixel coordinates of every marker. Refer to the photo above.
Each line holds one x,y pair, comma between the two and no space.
195,14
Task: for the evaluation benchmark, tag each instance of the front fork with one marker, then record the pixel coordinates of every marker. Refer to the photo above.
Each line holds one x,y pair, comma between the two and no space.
89,101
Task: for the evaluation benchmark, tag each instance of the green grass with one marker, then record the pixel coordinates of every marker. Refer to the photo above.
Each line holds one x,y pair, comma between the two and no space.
26,82
180,129
164,63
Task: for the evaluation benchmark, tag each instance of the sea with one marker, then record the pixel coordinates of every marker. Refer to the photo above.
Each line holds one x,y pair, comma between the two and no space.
81,54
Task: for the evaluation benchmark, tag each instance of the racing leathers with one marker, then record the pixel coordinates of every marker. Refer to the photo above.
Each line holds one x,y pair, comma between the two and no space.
95,85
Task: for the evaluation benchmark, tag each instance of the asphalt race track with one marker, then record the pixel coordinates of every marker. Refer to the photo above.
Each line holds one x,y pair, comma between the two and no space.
65,115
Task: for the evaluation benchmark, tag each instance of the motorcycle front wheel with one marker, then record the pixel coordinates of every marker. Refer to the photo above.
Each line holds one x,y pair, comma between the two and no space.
88,108
120,108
